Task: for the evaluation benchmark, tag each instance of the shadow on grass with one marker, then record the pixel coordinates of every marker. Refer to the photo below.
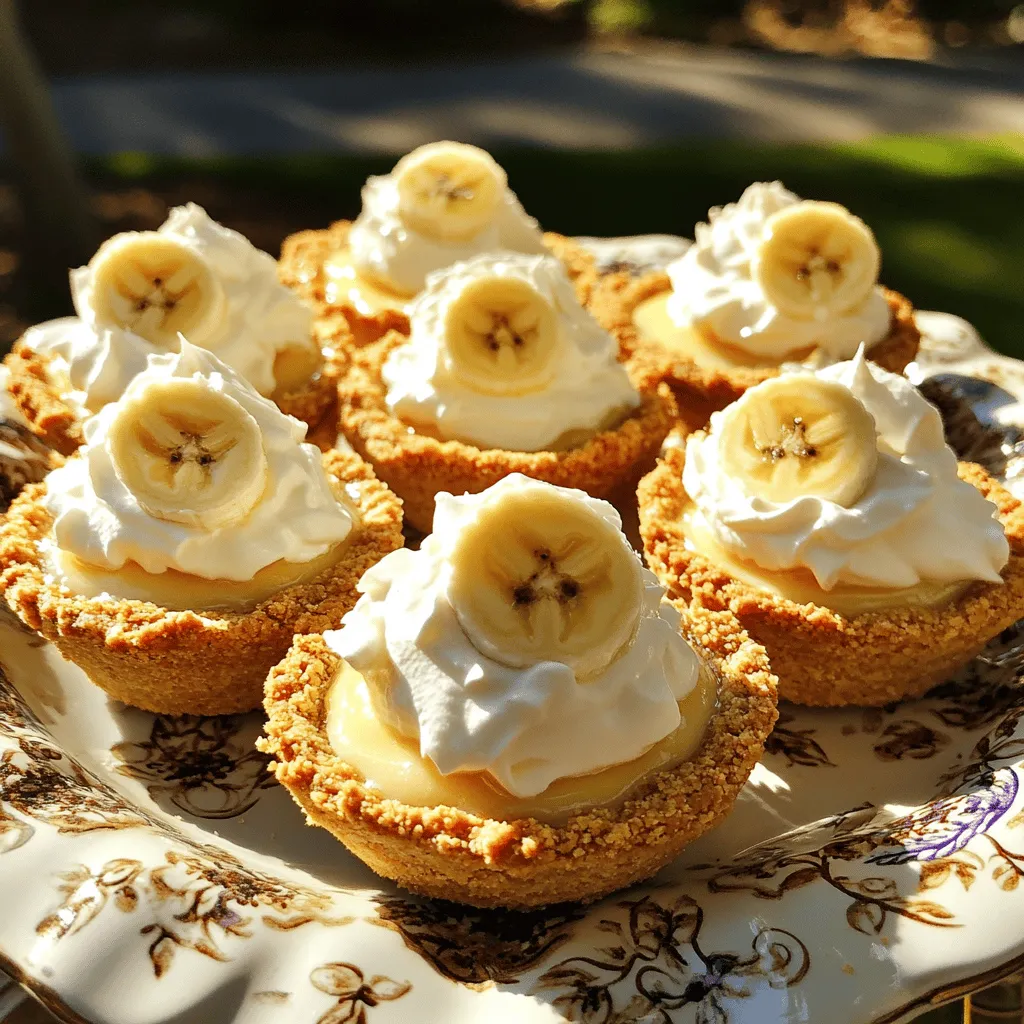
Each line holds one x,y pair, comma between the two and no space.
948,213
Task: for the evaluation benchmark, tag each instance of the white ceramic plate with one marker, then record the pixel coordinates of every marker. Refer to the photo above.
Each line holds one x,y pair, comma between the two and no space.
150,871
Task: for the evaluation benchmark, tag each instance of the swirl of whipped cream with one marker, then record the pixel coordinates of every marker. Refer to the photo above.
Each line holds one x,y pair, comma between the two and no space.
90,364
386,250
714,290
261,316
98,519
917,521
528,726
589,389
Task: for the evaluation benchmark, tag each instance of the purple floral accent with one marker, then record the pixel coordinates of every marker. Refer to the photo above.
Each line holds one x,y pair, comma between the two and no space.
946,826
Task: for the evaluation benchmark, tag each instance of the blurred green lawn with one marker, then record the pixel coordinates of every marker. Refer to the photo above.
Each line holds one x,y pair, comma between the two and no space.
949,213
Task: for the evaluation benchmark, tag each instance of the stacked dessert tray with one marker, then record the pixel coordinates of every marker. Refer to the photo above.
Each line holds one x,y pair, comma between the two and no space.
152,870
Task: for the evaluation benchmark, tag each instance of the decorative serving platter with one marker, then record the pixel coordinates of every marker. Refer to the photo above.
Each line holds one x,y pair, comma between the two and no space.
151,870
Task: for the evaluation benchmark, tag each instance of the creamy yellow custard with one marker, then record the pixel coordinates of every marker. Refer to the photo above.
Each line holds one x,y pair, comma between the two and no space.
179,591
295,366
800,586
345,285
654,324
566,442
392,764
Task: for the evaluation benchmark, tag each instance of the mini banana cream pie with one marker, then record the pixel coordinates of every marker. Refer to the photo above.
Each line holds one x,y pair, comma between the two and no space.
771,281
443,203
140,293
514,714
827,512
191,536
503,371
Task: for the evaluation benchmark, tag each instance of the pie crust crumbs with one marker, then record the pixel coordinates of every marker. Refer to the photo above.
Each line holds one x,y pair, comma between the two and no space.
186,662
447,853
301,268
417,466
820,657
39,401
702,390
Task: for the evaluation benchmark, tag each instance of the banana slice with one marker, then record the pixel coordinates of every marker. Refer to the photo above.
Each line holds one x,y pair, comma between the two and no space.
188,453
157,288
816,260
448,190
540,576
502,337
797,436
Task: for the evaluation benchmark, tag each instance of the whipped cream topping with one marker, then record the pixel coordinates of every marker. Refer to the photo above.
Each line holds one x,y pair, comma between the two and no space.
260,319
528,726
714,290
916,521
385,249
98,519
90,364
588,390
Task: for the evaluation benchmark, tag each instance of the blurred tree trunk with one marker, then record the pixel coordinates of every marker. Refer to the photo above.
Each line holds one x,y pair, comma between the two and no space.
59,232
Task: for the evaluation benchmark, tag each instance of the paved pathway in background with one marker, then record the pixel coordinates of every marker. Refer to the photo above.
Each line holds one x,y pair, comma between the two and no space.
575,98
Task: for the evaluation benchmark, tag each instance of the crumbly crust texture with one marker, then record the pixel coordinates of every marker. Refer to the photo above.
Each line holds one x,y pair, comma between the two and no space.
40,402
447,853
821,657
701,390
58,422
417,466
185,662
341,325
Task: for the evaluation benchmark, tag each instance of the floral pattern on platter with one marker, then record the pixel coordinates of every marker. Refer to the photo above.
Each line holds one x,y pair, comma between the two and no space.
354,993
797,746
39,783
314,941
934,839
473,947
199,765
206,900
653,965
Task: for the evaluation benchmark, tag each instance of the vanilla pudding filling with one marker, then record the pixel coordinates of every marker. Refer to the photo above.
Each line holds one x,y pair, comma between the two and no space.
391,763
443,203
191,277
502,355
771,279
852,514
193,491
522,663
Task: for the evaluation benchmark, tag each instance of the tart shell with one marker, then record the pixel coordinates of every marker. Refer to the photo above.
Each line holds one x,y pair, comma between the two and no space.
417,466
48,415
447,853
187,662
821,657
301,268
59,423
702,390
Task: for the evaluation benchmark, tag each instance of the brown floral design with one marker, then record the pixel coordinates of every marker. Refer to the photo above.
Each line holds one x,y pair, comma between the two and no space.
909,739
474,947
198,765
200,901
654,964
797,746
354,993
39,782
935,837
